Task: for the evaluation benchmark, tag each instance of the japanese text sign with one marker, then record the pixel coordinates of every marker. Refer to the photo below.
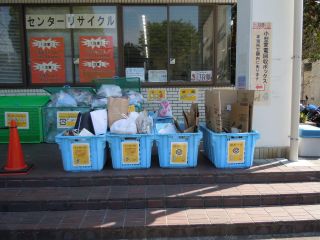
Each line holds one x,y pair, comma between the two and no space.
261,60
62,21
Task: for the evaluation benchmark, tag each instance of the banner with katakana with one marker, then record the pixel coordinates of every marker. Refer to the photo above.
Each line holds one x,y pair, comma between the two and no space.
47,60
96,58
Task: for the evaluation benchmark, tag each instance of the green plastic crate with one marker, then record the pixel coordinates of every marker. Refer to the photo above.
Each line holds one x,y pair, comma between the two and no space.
27,110
124,83
53,90
58,119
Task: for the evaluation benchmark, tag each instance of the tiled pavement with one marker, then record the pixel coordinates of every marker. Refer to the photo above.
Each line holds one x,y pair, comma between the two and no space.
158,196
162,222
274,196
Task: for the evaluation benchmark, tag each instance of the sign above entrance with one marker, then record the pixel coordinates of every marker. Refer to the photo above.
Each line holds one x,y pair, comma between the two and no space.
71,21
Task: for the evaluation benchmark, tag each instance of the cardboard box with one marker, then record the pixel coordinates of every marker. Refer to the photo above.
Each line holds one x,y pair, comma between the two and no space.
117,107
229,108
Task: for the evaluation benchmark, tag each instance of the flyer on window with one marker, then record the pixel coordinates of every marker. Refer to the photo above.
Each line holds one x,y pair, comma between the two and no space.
96,58
47,60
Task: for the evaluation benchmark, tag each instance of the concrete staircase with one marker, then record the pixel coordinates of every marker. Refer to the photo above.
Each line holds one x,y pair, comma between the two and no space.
273,197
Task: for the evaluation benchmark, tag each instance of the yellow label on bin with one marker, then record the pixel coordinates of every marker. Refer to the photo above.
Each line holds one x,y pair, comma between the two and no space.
130,152
80,154
188,94
66,119
179,153
131,108
236,151
21,118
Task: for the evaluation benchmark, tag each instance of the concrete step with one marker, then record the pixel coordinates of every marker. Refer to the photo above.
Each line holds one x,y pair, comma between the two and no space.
161,222
158,196
264,171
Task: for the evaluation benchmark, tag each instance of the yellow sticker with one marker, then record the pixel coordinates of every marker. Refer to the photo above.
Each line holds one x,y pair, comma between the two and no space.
66,119
21,118
80,154
236,151
131,108
188,94
179,153
130,152
156,94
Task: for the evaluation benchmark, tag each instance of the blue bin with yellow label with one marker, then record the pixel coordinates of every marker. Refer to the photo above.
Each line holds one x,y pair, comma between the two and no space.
82,153
177,150
229,150
130,151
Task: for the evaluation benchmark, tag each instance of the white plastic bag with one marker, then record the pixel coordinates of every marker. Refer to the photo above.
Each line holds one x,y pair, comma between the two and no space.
168,128
109,90
126,125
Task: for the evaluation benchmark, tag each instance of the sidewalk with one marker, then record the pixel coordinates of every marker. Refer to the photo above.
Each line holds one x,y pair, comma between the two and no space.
48,163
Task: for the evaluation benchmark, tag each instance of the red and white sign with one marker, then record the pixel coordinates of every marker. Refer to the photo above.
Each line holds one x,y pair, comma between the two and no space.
47,60
96,58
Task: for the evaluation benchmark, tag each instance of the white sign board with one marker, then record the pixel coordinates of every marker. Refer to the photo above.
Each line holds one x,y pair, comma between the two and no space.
52,21
91,21
201,76
135,72
261,60
157,75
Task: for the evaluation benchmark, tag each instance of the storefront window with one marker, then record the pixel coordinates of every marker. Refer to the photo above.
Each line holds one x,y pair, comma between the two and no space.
71,44
145,41
10,45
226,38
191,43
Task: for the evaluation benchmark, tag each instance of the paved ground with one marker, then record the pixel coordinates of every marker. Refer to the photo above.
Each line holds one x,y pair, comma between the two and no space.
304,236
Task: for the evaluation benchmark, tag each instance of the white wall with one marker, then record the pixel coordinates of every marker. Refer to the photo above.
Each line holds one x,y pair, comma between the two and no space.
272,120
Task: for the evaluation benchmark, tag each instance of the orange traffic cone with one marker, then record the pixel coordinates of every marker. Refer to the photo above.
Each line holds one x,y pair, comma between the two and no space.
15,161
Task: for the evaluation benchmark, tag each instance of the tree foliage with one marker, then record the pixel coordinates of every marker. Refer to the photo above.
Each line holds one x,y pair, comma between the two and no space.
311,31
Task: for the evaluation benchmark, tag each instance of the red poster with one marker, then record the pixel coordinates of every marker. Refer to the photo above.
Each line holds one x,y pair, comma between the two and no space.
96,47
48,71
47,60
91,69
46,47
96,58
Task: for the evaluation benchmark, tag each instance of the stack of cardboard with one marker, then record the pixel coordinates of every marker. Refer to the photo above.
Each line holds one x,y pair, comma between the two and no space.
229,110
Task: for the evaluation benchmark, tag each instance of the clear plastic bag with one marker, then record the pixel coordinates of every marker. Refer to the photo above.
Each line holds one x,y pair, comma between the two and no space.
144,123
63,99
109,90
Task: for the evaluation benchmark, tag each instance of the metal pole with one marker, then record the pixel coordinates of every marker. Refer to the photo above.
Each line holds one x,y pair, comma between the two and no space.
296,79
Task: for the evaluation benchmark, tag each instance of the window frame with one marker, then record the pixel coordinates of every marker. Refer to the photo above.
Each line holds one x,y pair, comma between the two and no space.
26,79
24,68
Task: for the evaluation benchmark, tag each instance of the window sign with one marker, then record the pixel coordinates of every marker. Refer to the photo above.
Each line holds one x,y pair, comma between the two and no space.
96,58
53,21
135,72
201,76
157,75
91,21
261,60
47,60
46,21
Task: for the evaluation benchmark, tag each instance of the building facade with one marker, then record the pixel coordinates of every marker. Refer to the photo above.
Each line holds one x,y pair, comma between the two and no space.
179,48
